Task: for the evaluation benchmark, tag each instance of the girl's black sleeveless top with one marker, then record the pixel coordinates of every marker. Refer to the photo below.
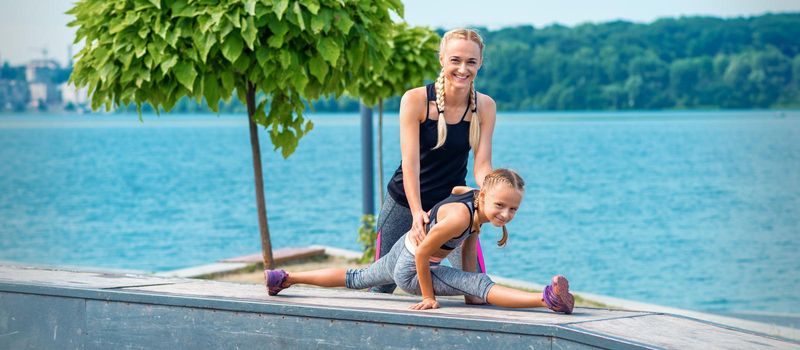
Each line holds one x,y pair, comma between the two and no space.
440,169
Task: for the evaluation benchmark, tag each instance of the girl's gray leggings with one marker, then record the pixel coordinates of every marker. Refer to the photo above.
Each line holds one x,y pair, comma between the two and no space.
393,222
400,268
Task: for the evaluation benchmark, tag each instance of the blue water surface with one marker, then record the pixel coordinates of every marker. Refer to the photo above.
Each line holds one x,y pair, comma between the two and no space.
697,210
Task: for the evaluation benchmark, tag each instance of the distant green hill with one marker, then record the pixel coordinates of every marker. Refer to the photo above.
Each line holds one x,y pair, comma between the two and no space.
691,62
672,63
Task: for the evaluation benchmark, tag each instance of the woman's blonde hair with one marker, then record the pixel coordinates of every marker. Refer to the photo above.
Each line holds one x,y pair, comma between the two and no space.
474,124
505,176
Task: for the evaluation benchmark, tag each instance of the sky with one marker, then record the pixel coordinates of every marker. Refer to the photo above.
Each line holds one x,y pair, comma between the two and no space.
29,28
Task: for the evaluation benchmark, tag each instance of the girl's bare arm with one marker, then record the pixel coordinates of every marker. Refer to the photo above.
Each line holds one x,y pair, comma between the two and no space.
452,219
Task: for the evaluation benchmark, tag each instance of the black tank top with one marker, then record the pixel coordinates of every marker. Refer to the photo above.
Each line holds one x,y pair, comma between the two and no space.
467,199
440,169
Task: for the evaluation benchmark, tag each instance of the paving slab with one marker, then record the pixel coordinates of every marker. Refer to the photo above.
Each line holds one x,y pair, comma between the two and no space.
676,332
72,278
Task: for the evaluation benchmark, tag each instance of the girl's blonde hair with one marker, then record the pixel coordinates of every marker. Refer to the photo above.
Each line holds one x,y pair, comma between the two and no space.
505,176
474,124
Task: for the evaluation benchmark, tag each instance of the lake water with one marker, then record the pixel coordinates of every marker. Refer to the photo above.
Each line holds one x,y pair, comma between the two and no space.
696,210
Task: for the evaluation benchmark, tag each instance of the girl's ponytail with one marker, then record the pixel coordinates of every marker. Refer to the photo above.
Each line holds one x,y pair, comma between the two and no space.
502,242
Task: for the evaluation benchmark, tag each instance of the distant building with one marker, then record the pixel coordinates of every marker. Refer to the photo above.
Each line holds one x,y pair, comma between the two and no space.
41,71
72,95
40,75
44,94
14,95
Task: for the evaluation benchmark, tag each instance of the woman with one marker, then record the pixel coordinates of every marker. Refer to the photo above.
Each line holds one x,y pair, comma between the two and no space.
439,124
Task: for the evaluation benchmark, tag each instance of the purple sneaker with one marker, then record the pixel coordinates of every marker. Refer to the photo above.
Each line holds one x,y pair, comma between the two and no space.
274,280
557,295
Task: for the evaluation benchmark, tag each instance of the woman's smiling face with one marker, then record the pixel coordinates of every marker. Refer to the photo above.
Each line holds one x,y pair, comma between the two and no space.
460,60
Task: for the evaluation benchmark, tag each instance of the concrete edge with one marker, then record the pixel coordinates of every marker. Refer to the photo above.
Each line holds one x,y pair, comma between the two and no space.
326,312
781,332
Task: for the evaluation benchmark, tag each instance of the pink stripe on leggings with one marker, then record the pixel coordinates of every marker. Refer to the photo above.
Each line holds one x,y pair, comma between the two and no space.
480,255
378,246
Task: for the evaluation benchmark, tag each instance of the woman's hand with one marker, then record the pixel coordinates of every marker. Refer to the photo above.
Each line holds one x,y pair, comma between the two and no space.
418,224
425,304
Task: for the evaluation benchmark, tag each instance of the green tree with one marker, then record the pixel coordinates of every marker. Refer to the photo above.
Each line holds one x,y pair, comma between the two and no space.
772,71
737,82
654,75
284,52
689,79
614,96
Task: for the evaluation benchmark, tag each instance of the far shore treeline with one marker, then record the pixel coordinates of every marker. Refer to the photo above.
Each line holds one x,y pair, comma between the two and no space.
691,62
672,63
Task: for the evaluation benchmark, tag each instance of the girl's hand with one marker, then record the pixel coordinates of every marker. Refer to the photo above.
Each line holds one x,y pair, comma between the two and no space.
425,304
419,220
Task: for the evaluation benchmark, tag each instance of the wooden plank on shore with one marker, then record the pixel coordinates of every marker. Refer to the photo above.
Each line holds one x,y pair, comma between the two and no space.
279,256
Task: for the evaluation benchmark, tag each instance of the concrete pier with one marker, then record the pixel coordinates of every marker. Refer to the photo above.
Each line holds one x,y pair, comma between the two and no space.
46,308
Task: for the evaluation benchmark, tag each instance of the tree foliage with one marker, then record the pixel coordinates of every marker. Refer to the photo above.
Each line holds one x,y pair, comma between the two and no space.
158,51
413,59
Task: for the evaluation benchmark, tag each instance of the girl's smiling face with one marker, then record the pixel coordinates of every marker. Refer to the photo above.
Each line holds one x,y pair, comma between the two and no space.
460,60
500,203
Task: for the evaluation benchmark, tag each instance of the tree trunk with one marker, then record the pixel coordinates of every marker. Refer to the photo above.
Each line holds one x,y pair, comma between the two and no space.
266,246
380,152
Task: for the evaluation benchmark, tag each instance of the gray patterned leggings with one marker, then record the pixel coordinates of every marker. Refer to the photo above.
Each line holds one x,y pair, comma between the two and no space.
393,222
399,267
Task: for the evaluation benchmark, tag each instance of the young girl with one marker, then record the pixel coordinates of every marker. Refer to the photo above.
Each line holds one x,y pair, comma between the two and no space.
414,266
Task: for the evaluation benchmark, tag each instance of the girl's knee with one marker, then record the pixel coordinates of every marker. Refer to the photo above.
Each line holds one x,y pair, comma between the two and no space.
407,281
485,284
410,286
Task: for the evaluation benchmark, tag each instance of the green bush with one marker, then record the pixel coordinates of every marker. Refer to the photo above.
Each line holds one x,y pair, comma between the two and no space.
367,236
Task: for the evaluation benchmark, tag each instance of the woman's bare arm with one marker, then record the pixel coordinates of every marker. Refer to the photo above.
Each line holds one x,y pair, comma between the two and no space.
411,108
483,155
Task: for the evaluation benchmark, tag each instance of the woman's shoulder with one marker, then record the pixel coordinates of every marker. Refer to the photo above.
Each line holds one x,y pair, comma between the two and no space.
417,93
487,109
413,103
486,102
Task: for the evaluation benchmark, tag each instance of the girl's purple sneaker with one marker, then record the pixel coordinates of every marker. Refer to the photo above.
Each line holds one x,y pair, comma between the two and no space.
274,280
557,295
